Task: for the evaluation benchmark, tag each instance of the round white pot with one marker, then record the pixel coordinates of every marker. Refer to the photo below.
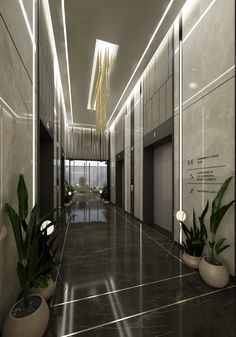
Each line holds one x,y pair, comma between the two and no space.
214,276
33,325
191,261
46,293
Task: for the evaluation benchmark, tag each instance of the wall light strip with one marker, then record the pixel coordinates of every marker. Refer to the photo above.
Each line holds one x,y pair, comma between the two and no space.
67,55
34,108
54,51
142,57
207,86
12,111
181,134
197,22
27,22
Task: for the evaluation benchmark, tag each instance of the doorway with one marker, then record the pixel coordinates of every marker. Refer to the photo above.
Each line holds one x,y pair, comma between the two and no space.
120,190
46,155
162,161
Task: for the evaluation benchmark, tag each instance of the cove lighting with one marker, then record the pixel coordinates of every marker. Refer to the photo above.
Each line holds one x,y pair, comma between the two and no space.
141,59
67,56
197,22
55,56
27,22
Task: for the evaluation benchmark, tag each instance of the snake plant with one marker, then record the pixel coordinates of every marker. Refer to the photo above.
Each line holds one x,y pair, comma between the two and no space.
34,252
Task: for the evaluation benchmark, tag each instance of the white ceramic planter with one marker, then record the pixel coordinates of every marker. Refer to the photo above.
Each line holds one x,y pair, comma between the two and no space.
191,261
214,276
46,293
33,325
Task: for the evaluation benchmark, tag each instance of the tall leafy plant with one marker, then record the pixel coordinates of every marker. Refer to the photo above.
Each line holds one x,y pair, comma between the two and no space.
195,236
215,247
33,258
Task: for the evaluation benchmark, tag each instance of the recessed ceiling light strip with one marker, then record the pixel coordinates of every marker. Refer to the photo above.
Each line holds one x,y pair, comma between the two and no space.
141,59
54,51
67,56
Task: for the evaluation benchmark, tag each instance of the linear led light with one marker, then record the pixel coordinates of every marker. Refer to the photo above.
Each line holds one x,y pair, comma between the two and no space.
27,22
82,126
142,57
12,111
101,47
54,51
67,55
207,86
34,108
196,23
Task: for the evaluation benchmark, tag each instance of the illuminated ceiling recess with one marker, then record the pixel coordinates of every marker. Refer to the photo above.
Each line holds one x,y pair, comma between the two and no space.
103,60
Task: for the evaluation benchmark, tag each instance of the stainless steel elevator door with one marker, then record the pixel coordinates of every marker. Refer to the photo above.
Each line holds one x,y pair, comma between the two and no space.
163,186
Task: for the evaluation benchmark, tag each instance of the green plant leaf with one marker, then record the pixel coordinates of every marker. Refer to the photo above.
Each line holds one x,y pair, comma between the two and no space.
22,195
216,203
16,226
31,231
219,247
185,229
202,223
217,217
42,281
22,275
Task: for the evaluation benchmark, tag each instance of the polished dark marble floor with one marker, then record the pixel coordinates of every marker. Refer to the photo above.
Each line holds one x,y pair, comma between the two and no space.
121,278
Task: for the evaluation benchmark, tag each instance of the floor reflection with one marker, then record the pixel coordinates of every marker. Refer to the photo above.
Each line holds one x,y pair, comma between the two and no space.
90,211
120,278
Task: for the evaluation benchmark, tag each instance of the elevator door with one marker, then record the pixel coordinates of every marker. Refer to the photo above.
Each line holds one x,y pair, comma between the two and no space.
163,186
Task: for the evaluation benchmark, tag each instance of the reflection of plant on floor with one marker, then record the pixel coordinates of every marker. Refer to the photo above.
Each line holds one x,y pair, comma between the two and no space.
104,194
69,192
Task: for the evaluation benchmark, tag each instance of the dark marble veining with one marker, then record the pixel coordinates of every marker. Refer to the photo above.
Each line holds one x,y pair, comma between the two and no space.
121,278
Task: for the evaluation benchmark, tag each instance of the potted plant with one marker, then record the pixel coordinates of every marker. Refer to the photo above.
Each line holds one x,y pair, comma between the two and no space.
69,192
47,251
29,316
104,194
211,268
195,240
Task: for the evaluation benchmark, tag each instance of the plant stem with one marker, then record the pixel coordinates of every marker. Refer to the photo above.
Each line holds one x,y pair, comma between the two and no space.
213,249
26,296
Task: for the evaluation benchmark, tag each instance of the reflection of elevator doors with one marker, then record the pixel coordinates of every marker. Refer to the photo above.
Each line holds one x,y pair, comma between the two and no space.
163,186
120,199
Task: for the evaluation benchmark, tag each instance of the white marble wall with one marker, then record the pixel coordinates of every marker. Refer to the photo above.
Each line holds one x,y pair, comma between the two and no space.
209,110
16,135
120,133
157,86
208,102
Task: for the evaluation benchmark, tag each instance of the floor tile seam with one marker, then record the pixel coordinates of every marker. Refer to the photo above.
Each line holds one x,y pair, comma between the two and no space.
149,227
123,289
60,260
148,311
169,252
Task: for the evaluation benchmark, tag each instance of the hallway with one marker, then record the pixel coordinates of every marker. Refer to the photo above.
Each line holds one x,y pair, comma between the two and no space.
118,278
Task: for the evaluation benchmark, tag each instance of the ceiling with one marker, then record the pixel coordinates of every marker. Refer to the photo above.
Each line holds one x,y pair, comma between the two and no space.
128,23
